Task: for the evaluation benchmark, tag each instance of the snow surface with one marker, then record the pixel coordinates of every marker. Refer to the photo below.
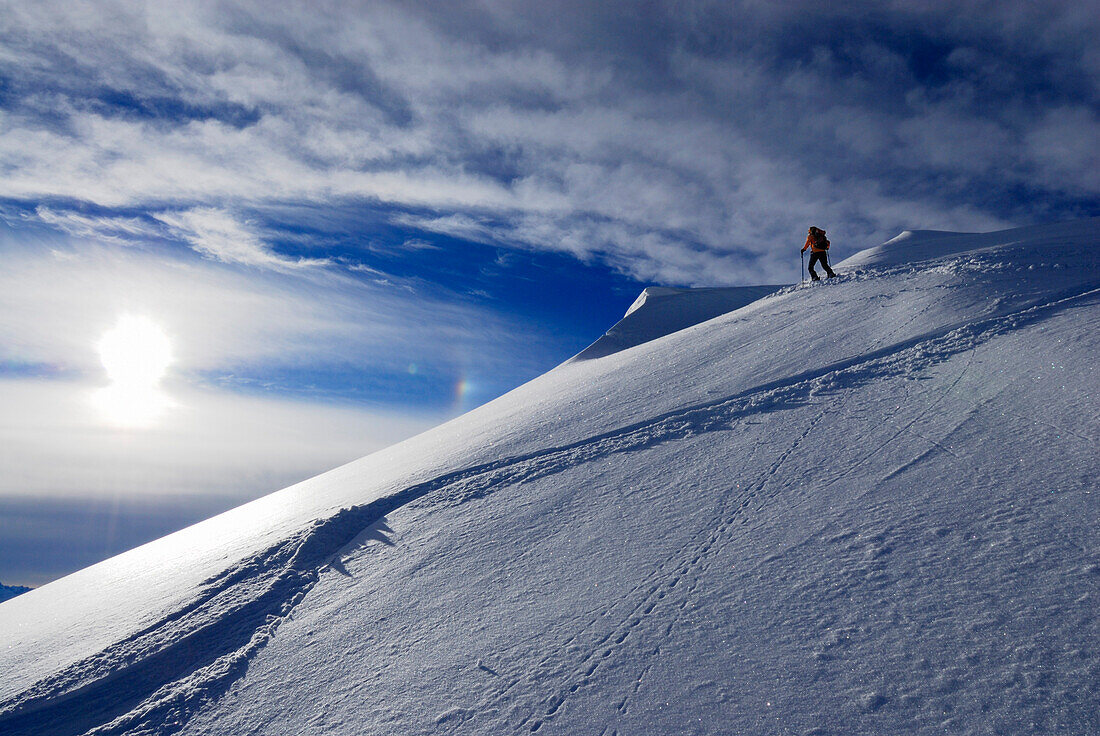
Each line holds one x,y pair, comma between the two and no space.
660,311
866,506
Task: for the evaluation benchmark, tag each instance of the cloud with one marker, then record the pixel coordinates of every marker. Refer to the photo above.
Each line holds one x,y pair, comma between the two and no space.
74,491
1064,149
216,234
462,226
213,443
112,228
666,140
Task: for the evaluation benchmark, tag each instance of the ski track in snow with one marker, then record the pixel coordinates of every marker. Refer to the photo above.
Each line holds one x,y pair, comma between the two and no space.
672,584
154,680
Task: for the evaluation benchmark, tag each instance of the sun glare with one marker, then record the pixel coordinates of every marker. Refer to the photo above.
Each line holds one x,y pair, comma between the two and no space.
136,354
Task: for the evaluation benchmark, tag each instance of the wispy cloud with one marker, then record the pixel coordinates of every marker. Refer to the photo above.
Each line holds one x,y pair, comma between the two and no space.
218,235
458,225
101,227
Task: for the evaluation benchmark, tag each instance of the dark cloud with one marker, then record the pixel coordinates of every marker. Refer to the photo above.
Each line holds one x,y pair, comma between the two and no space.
643,133
347,74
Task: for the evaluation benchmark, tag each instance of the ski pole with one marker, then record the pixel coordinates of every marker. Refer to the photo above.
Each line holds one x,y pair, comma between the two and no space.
803,274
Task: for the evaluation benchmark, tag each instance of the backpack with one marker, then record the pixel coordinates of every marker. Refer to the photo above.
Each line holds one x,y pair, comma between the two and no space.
820,242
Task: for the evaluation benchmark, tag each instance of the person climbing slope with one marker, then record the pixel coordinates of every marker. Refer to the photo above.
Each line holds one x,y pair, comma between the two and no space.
819,252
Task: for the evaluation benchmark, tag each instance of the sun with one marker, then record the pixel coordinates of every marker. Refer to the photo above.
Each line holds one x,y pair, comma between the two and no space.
136,354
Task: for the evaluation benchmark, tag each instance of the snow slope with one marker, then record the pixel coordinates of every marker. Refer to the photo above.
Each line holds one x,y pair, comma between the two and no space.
868,506
660,311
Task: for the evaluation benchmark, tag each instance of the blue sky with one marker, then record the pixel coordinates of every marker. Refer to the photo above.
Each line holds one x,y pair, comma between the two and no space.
355,220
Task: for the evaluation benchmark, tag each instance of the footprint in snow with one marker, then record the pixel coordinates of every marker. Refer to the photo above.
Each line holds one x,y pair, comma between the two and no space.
486,668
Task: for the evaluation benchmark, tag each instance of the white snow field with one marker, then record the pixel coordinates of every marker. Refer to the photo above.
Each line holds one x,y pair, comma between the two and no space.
866,506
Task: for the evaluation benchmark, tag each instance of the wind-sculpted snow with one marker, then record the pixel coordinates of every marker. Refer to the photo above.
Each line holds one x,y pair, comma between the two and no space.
915,246
662,311
690,453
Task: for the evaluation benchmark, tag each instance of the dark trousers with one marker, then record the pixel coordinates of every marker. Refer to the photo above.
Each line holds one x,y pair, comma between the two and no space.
822,258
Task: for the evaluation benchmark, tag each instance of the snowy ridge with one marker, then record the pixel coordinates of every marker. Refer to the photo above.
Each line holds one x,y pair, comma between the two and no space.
718,466
914,246
660,311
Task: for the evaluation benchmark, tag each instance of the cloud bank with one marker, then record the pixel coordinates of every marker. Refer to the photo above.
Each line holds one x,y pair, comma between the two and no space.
679,142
